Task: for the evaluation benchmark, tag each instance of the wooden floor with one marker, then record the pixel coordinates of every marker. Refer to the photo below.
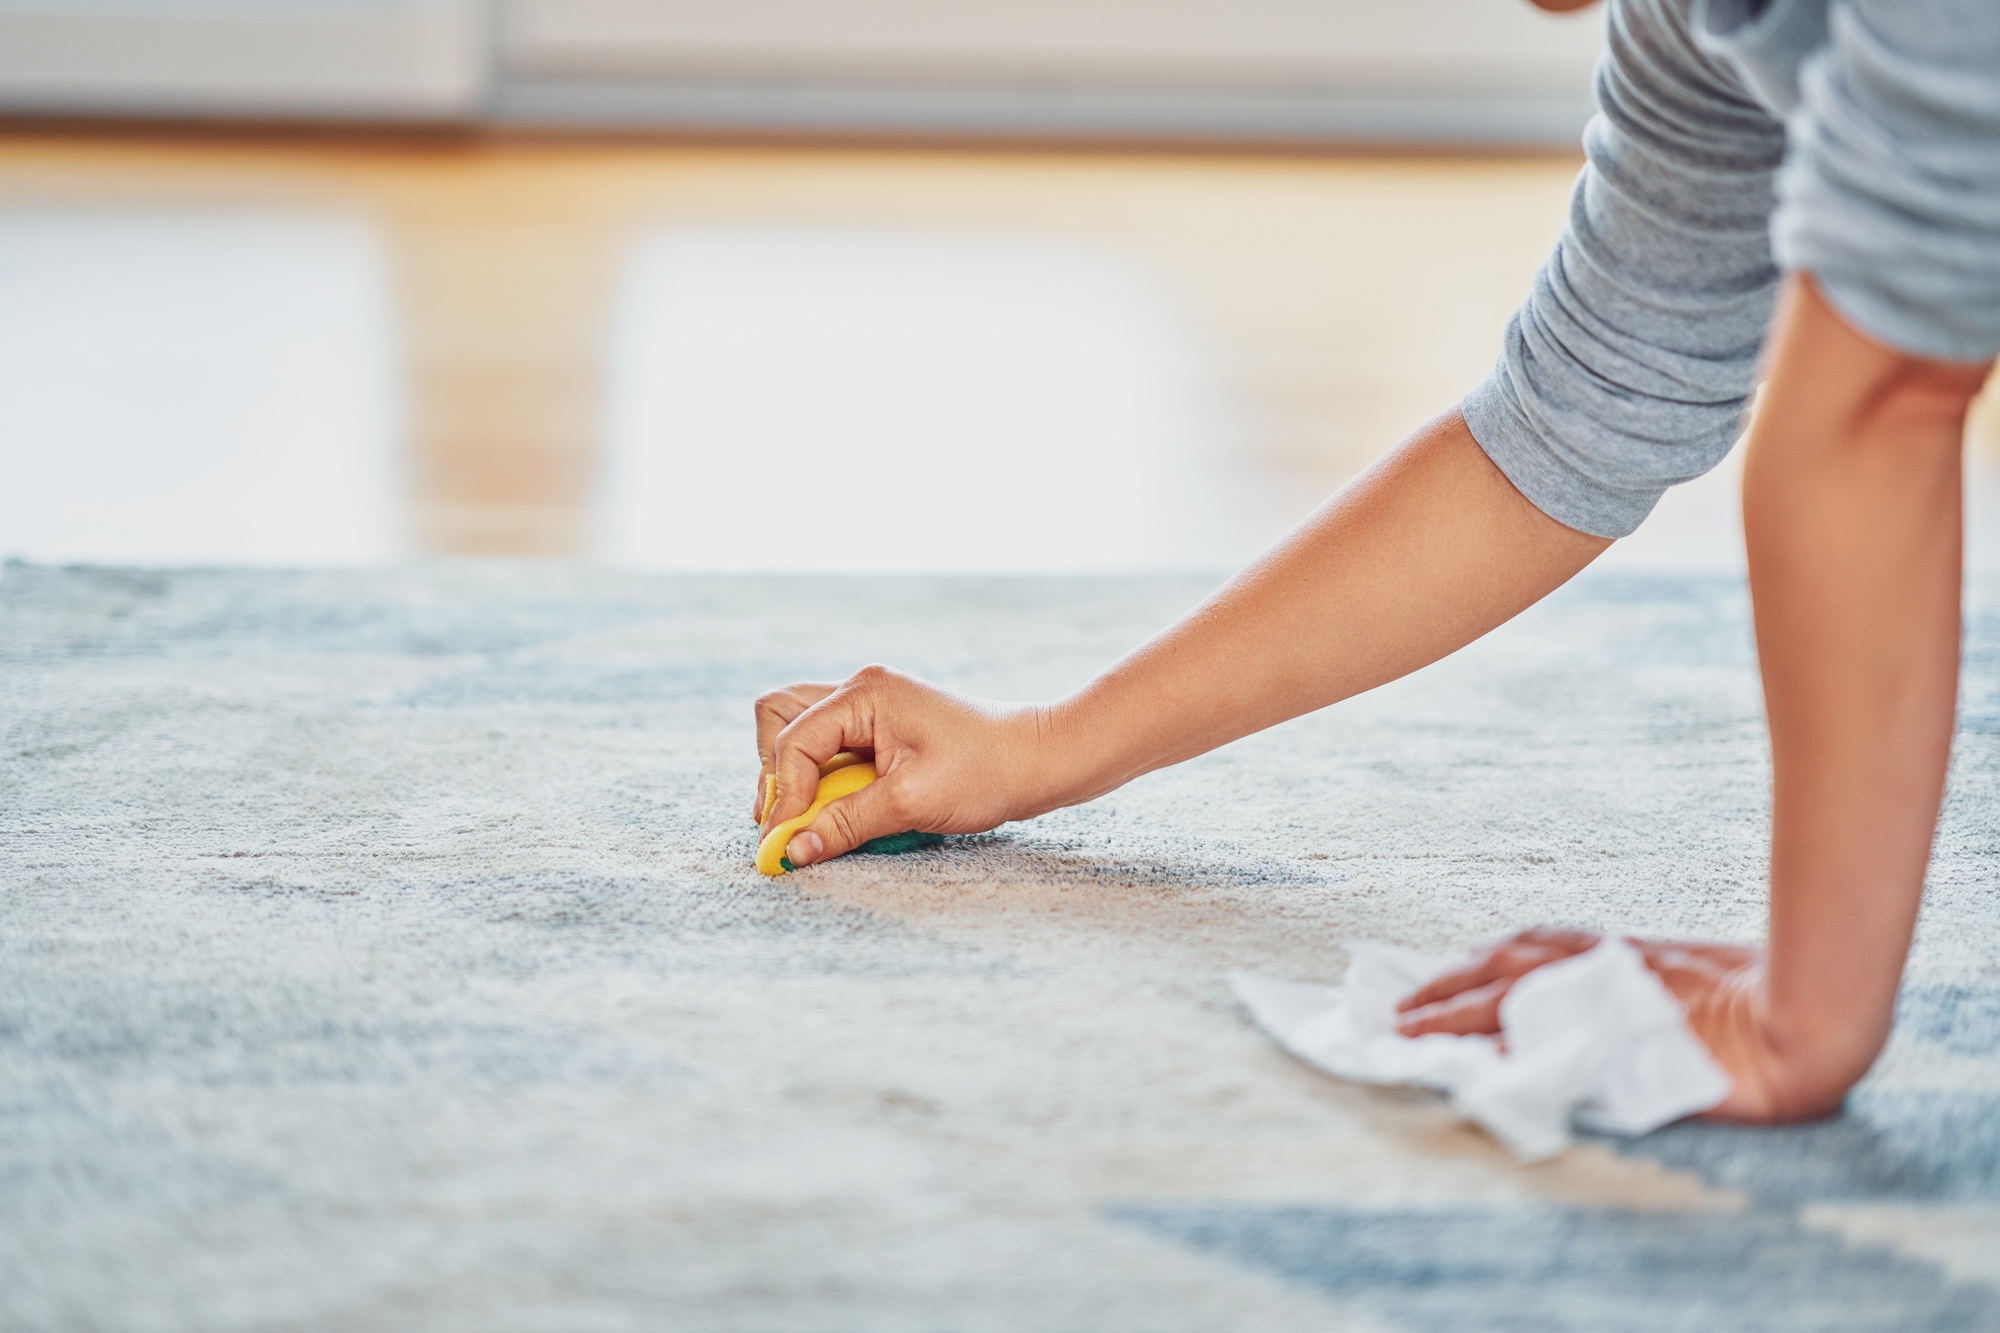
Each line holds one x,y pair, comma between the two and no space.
1341,300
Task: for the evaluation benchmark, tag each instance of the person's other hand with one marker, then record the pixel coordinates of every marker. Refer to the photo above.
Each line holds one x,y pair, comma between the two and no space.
1721,986
946,764
1466,1000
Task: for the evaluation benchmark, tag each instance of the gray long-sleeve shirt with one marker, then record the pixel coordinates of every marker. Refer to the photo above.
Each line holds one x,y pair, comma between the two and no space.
1858,140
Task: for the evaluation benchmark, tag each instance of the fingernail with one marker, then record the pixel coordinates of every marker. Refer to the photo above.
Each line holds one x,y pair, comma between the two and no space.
804,849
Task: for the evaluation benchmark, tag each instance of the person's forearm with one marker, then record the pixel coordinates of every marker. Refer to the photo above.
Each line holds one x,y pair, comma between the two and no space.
1852,518
1426,551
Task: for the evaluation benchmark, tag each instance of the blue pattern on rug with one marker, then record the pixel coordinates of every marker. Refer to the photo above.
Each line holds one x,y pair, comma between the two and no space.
1900,1147
1585,1268
1559,1269
1965,1020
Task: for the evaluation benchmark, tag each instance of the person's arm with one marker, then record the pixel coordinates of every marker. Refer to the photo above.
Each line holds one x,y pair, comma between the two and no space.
1890,198
1625,371
1426,551
1852,517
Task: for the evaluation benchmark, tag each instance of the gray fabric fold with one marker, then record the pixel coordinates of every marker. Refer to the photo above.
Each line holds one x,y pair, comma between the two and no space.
1627,368
1890,193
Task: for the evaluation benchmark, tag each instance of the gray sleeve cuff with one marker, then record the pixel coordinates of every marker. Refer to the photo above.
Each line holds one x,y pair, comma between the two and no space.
1627,368
1521,450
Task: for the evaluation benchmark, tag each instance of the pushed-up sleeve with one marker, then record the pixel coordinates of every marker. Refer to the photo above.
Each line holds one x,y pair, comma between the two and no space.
1628,367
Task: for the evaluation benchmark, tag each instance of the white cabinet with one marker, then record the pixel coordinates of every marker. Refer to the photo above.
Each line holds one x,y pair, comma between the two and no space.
1473,71
1478,71
274,59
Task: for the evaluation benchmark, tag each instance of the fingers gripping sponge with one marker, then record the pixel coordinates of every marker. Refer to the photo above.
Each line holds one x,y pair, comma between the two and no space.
842,775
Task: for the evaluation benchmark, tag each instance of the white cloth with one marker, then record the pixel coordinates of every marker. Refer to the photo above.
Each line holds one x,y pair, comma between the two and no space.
1595,1038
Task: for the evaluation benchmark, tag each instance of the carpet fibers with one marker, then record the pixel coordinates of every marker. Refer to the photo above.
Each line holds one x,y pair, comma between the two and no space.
382,951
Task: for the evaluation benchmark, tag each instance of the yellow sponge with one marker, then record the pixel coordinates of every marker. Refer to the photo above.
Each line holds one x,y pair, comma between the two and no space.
842,775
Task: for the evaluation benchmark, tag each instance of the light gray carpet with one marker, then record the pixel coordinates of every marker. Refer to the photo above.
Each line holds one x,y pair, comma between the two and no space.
382,951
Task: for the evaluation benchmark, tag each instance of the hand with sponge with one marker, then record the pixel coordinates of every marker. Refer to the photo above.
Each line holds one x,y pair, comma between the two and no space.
842,775
885,755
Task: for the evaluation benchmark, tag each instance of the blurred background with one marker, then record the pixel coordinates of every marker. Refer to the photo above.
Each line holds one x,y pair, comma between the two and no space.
776,284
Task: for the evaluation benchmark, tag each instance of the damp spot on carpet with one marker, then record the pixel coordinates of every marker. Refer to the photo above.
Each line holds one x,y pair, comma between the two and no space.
684,926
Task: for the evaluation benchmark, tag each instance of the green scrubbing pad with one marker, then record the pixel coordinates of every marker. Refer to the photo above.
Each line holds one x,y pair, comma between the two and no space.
894,844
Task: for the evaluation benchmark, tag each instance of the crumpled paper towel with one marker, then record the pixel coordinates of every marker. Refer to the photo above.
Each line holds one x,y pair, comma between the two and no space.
1595,1039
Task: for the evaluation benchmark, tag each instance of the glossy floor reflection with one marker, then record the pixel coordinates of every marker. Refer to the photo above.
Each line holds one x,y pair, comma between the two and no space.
591,344
689,359
197,387
862,401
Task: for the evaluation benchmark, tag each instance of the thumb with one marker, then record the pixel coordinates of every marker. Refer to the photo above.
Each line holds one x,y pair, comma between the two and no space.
873,812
